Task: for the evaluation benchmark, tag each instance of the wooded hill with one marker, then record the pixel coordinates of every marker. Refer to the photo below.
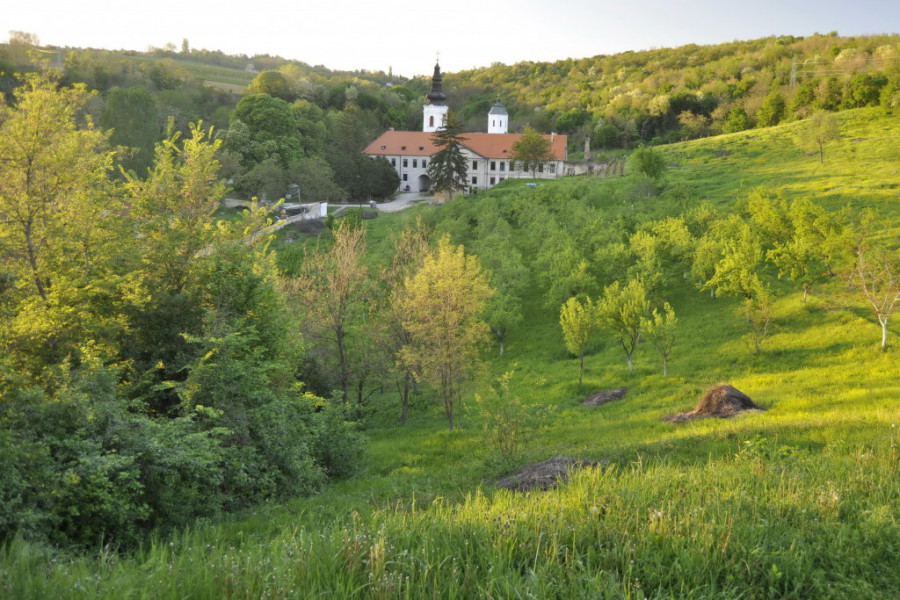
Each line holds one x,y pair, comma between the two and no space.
619,100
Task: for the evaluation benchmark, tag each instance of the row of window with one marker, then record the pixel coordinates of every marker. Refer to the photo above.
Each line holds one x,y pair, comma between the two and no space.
406,163
415,164
492,179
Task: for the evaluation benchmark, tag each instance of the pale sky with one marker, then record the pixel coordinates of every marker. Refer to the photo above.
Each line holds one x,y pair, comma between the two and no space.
406,35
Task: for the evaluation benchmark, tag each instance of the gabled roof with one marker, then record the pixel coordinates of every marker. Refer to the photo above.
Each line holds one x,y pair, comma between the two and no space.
488,145
402,143
499,145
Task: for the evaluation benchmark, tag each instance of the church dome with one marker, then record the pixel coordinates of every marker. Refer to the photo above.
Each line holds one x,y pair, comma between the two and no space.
498,109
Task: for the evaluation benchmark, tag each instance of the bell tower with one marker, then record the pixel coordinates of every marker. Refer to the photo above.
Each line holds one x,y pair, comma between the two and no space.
498,118
435,110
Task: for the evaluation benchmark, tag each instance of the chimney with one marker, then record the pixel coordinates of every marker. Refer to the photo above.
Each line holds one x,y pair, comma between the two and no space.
390,128
552,137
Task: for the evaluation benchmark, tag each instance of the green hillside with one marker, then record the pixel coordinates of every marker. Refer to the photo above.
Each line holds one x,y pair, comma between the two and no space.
799,501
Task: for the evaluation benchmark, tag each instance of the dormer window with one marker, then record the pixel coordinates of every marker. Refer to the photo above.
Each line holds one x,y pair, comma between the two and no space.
421,148
403,147
384,147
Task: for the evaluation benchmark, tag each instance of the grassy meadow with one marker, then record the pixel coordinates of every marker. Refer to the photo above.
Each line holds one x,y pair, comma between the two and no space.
799,501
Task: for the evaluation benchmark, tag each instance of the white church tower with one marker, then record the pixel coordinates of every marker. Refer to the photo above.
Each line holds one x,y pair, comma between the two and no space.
498,119
436,109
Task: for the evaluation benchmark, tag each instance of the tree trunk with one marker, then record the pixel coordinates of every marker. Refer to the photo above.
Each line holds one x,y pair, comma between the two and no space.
629,363
665,367
821,154
884,331
581,375
805,295
404,399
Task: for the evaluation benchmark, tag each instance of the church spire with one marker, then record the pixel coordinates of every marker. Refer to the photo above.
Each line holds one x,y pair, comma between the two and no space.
436,96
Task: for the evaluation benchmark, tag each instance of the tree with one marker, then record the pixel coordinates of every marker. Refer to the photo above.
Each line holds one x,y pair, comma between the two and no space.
410,249
272,83
132,115
806,257
333,286
737,120
531,150
262,127
53,189
442,304
175,205
447,167
660,331
578,321
771,112
509,277
736,271
621,311
648,162
63,243
877,272
316,180
820,129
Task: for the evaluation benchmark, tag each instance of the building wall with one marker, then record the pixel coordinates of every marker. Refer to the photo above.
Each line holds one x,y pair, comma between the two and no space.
497,123
410,169
433,117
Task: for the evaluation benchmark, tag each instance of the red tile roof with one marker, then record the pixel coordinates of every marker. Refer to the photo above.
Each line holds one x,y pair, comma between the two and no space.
488,145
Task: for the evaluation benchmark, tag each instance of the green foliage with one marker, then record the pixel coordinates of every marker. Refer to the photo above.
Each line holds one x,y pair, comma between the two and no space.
622,311
772,110
508,422
821,128
132,115
442,305
660,331
738,120
578,320
648,162
447,167
531,151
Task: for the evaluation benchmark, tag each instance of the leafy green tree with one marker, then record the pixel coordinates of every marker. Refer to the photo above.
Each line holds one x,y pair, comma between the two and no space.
578,320
771,112
132,115
447,167
442,303
333,287
820,129
876,272
509,277
54,188
63,241
316,180
411,247
806,256
621,310
737,120
263,127
659,330
648,162
531,150
272,83
737,271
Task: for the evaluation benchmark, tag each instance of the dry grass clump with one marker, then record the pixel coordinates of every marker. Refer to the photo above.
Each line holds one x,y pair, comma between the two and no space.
601,398
722,401
544,475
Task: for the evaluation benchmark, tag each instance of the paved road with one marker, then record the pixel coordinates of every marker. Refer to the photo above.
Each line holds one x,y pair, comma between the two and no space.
404,200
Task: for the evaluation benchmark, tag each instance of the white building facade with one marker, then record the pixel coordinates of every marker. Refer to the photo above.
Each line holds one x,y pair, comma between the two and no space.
487,154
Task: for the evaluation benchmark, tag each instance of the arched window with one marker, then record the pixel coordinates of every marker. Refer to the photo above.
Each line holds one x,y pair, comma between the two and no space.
431,121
